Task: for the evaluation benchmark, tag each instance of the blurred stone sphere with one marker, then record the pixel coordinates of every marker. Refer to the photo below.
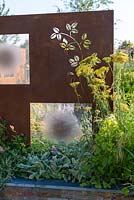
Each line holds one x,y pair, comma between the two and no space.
62,125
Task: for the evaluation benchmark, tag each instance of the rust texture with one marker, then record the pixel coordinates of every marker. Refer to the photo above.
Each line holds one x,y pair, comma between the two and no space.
48,64
42,193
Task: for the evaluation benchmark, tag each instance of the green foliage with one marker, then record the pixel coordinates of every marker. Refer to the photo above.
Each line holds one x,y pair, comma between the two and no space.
124,82
126,44
6,169
3,10
60,164
86,67
86,121
96,81
39,146
101,161
8,159
12,147
112,161
9,137
104,161
36,118
125,190
85,5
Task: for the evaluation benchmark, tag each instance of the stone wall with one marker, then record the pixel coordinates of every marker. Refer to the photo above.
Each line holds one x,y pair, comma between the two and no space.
32,192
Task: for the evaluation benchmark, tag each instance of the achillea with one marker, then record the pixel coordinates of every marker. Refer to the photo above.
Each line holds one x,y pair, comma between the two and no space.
119,57
124,107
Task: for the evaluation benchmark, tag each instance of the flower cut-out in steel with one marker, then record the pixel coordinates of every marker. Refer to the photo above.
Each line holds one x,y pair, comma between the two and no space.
74,61
69,42
56,34
72,28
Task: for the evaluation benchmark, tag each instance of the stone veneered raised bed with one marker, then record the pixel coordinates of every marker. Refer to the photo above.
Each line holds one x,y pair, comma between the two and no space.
43,191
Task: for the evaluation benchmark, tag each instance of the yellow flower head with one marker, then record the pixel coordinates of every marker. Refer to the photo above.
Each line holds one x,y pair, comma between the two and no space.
86,65
92,60
101,72
124,107
111,120
77,107
97,111
107,60
119,57
84,70
98,81
74,84
87,108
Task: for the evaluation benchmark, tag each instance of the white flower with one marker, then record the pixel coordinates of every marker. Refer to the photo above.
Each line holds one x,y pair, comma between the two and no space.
65,41
74,61
56,34
72,27
66,45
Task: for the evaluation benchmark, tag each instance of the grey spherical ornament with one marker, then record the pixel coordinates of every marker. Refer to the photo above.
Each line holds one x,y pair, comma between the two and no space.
62,125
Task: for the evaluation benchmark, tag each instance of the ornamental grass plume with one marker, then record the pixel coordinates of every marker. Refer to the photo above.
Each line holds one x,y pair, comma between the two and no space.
62,125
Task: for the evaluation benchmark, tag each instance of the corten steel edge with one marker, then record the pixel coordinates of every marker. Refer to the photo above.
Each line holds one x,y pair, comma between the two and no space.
49,82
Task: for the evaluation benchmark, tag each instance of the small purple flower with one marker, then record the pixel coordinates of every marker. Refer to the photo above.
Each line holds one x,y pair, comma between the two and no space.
54,149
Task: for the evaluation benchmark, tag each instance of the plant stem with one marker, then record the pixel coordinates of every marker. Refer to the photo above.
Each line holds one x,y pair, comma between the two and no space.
75,41
78,96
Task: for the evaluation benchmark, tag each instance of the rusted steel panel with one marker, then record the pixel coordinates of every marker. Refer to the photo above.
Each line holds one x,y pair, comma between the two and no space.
48,64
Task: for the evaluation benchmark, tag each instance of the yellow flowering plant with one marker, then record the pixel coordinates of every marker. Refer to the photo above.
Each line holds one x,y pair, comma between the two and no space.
119,57
86,68
96,81
74,85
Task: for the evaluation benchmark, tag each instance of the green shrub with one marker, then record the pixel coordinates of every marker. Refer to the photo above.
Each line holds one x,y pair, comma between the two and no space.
112,160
